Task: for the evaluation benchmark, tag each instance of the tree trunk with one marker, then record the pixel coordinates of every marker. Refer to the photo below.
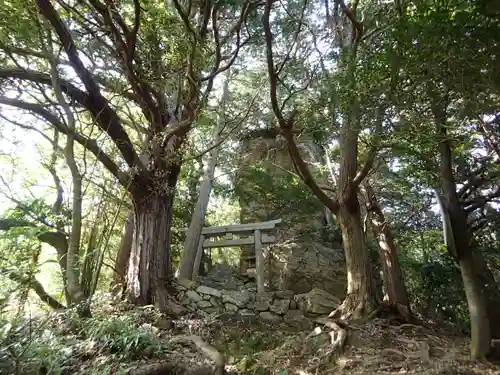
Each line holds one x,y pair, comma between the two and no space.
75,290
459,239
359,300
395,294
480,326
88,263
484,274
186,266
123,255
150,264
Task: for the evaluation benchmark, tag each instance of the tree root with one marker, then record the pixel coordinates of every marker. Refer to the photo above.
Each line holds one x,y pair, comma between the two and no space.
205,348
423,353
407,325
352,308
337,334
396,312
178,368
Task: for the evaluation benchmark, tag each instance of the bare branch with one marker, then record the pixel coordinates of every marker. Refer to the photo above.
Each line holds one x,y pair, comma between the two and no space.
350,13
185,18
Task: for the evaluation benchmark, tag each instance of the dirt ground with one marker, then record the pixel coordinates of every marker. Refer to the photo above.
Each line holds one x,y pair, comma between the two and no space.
249,346
377,347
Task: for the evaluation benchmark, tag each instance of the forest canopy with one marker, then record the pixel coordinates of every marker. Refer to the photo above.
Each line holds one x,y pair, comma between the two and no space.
367,130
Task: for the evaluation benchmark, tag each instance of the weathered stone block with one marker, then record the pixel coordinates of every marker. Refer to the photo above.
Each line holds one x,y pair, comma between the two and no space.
204,304
317,301
246,312
284,294
222,276
216,302
263,302
230,307
192,295
280,306
188,284
239,298
203,289
251,288
301,266
269,316
212,310
295,318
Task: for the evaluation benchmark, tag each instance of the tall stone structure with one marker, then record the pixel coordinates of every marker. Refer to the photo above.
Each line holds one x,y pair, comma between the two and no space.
268,188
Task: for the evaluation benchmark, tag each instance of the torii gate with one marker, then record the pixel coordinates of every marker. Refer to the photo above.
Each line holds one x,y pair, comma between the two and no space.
234,235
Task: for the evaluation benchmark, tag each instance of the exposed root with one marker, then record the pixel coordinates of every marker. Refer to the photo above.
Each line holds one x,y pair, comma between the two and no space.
397,312
404,312
206,349
391,351
352,308
337,334
407,325
338,338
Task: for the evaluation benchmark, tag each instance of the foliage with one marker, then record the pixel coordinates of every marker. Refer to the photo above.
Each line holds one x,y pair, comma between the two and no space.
59,343
407,59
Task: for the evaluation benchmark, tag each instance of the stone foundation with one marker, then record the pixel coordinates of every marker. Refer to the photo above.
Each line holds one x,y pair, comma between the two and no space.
238,296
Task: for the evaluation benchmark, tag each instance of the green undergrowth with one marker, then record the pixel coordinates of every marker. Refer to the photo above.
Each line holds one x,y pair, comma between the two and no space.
116,340
242,346
62,343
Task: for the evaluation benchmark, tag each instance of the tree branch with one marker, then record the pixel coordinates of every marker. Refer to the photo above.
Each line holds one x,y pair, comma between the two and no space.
57,240
479,202
106,117
89,144
38,288
286,126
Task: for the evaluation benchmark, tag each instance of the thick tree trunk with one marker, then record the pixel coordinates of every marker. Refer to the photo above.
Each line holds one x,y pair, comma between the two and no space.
150,264
360,298
480,325
482,312
395,294
484,274
123,255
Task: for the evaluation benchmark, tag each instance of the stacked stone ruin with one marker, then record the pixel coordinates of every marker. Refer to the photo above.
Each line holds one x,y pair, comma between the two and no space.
304,277
226,291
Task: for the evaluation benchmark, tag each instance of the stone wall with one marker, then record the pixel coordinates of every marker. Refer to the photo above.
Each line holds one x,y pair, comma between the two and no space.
301,259
269,151
236,294
302,266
